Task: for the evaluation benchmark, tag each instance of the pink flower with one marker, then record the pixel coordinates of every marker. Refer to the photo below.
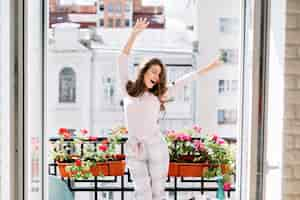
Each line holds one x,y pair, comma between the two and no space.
183,137
227,186
83,131
197,128
220,141
215,137
199,146
103,147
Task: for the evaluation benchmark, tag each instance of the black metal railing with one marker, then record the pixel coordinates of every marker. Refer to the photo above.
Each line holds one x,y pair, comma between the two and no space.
123,181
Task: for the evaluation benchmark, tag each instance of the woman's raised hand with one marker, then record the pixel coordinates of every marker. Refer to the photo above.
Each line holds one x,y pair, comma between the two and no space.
140,25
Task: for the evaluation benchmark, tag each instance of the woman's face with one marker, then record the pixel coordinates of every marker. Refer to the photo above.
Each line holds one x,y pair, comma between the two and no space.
151,77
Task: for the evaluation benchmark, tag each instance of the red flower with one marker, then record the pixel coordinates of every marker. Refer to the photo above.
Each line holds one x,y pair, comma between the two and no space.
78,163
103,147
105,142
120,157
67,135
227,186
61,131
93,138
83,131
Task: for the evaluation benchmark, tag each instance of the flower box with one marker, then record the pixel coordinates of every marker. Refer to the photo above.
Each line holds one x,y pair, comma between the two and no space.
109,168
224,167
186,169
192,169
62,169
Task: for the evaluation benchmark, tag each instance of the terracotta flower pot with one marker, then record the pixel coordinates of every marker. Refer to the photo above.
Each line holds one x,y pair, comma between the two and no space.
173,169
109,168
186,169
224,167
62,169
99,169
191,169
117,168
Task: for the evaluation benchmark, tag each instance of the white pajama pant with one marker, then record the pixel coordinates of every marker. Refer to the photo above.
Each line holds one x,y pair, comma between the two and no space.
149,169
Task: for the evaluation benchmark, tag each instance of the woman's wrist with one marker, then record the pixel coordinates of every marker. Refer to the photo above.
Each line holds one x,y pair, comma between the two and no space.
134,34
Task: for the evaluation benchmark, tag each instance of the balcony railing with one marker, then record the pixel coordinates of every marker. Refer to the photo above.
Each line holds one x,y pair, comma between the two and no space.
122,183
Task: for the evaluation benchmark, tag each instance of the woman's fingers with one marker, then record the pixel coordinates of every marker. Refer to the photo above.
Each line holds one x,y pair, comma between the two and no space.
141,24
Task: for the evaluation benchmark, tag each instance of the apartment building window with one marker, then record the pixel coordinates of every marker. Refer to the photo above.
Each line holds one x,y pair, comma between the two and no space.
118,8
110,22
101,7
226,116
127,7
221,86
110,8
224,86
127,22
118,22
230,56
227,86
101,22
67,85
228,25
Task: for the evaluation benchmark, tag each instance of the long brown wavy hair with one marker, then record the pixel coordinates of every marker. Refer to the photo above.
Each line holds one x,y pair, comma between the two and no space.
137,88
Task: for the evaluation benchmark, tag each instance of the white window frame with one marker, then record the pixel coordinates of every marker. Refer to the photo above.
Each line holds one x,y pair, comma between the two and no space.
8,123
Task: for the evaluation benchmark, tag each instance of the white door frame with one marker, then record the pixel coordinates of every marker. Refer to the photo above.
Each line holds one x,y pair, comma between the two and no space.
253,122
8,63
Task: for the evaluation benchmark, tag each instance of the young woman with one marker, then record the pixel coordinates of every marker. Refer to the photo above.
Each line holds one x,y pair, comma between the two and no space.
147,151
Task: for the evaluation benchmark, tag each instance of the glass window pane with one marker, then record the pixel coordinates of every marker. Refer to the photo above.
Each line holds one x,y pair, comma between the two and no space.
221,86
5,102
88,96
67,85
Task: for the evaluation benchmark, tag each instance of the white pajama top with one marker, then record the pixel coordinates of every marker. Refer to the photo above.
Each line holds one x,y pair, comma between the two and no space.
142,113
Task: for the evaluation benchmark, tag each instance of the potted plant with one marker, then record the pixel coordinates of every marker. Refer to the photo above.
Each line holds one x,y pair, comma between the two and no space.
187,156
220,160
193,154
98,159
103,160
63,152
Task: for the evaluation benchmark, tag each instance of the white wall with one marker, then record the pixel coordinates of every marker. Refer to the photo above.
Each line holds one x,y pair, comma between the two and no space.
70,115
